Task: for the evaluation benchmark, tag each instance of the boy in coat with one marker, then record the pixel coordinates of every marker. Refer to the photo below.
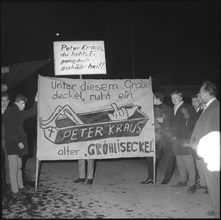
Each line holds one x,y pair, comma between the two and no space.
5,172
16,141
162,114
182,123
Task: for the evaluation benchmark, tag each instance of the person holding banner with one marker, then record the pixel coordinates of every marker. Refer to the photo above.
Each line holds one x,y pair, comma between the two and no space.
5,172
82,171
16,141
162,114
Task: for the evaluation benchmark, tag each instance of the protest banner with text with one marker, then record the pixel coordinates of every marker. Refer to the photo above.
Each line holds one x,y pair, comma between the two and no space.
94,119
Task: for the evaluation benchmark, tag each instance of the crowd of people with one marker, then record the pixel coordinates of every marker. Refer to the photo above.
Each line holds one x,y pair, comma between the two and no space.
178,131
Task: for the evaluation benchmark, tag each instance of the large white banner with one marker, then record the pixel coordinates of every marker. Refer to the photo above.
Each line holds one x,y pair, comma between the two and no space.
79,57
94,119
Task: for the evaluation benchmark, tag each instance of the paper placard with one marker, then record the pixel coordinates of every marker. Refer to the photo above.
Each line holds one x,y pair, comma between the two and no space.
79,57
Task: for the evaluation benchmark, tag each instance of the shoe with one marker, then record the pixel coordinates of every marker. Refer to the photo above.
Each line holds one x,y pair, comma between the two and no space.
89,181
79,180
206,191
24,190
192,189
198,186
147,181
179,184
165,181
18,195
210,213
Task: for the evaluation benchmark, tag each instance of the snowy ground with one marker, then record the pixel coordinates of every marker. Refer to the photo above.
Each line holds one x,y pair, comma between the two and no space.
115,193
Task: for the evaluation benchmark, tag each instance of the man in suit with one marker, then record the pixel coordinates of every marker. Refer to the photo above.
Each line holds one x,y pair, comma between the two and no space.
209,121
197,104
5,172
182,123
200,178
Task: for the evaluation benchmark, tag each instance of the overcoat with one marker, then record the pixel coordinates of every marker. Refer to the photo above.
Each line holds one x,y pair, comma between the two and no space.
207,122
181,130
14,132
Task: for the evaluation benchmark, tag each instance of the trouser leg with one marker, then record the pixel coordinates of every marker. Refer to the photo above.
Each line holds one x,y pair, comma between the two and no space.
19,176
13,172
90,168
169,165
181,168
213,185
199,165
6,165
159,154
150,167
197,171
81,168
3,161
169,159
7,178
190,165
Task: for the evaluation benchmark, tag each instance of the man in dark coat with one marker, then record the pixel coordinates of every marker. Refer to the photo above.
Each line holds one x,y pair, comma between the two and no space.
16,141
5,172
162,114
200,178
182,123
209,121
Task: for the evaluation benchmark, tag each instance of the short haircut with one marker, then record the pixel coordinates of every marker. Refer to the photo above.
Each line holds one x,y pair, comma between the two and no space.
20,97
159,96
5,94
177,93
195,96
210,88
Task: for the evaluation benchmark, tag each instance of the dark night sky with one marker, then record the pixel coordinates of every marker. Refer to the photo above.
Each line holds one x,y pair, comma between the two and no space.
175,42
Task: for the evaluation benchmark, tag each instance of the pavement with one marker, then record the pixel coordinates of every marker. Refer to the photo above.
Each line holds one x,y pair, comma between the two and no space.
116,193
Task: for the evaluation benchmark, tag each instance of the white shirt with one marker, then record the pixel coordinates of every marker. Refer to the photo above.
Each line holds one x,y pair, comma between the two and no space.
177,106
198,109
3,110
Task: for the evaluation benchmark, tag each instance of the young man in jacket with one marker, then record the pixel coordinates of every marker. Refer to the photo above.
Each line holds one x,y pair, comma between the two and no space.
5,172
16,141
182,123
162,114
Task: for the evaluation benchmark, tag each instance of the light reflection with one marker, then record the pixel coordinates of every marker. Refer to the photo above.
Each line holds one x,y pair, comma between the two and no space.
209,150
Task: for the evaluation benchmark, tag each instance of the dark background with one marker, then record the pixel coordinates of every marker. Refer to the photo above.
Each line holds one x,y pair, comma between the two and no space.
175,42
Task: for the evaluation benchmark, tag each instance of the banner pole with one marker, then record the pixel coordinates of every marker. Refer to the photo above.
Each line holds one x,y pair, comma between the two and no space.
154,170
36,176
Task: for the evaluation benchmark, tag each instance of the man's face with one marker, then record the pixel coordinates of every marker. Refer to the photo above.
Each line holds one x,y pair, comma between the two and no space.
21,105
5,102
176,99
195,103
203,94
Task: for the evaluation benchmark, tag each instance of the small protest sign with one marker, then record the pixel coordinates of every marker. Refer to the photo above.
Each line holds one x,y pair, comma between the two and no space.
79,57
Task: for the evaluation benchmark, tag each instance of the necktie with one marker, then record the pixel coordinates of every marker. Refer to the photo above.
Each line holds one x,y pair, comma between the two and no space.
204,108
